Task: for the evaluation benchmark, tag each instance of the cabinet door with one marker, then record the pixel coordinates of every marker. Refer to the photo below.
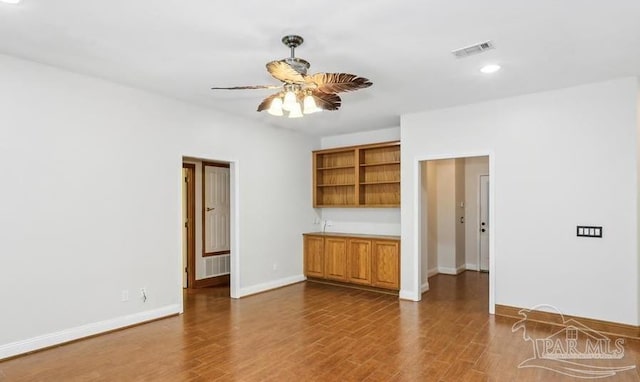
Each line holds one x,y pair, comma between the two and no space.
386,264
335,258
313,256
359,261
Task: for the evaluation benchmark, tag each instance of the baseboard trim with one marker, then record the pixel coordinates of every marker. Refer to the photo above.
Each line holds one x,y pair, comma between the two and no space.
409,295
425,285
471,267
353,286
432,272
69,335
451,271
259,288
212,281
605,327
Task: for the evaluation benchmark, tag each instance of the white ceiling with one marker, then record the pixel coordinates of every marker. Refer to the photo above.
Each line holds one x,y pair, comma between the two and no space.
181,48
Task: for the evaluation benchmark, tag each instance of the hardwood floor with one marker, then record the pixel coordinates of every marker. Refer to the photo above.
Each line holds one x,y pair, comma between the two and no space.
312,332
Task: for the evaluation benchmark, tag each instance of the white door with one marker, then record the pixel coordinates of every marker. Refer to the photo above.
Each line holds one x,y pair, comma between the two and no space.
217,210
484,223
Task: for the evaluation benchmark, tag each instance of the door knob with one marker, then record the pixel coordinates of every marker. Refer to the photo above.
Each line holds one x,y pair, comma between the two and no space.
210,209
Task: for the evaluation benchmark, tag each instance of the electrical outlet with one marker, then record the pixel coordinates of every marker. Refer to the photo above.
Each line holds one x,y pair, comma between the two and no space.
316,220
124,296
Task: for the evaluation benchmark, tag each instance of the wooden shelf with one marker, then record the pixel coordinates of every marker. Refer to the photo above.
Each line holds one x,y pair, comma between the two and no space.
379,164
333,168
374,168
380,182
336,185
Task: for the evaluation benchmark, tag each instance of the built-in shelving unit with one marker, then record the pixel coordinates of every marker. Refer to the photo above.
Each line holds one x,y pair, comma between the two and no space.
357,176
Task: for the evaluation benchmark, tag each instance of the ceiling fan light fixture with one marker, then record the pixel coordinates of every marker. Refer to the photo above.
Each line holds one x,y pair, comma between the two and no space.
309,105
276,107
296,111
290,100
301,93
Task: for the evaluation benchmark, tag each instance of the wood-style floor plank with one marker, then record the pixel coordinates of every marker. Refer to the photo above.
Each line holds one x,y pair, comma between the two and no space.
311,332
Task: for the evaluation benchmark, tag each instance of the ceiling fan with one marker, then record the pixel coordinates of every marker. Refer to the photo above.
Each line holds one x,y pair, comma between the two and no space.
301,93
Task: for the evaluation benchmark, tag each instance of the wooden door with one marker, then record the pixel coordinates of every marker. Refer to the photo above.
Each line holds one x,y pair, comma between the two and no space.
386,264
359,261
335,258
313,256
217,209
188,216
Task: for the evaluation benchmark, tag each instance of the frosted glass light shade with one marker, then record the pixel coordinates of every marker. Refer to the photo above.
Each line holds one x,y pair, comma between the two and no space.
276,107
296,111
310,105
289,101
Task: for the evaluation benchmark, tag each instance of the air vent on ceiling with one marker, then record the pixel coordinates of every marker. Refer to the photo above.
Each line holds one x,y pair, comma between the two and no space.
473,49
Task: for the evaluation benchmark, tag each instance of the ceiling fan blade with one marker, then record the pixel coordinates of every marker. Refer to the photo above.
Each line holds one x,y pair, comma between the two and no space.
326,101
266,103
338,82
284,72
249,87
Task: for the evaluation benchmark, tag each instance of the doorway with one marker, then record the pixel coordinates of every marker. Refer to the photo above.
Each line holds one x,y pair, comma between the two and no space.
454,216
211,261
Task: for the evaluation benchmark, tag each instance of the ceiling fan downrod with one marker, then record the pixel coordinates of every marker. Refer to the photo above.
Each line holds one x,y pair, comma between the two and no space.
298,64
292,41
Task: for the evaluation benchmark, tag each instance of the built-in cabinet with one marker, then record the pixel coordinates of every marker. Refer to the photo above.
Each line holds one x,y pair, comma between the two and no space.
369,260
357,176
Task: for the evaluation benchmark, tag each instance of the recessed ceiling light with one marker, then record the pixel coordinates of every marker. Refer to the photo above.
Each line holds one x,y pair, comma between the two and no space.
490,68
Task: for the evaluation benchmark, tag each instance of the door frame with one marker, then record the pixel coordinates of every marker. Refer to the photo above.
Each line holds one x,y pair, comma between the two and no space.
234,176
480,221
191,232
415,259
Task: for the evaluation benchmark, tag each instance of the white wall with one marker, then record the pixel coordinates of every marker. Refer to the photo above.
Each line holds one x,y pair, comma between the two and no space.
429,222
638,175
374,221
446,177
446,207
474,167
557,159
92,196
459,215
361,138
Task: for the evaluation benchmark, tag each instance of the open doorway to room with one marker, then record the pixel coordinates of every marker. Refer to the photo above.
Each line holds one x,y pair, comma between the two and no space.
208,263
454,218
